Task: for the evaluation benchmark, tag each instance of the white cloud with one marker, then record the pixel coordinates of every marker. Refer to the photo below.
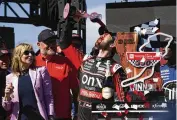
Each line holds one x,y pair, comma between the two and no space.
92,28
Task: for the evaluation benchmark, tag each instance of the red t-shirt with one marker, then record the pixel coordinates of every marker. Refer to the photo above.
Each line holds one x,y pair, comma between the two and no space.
74,55
63,76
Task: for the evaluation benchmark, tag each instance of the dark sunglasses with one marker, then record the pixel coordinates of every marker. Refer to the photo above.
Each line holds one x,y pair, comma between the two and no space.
27,52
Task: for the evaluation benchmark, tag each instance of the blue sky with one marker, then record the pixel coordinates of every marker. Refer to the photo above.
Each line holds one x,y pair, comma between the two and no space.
29,33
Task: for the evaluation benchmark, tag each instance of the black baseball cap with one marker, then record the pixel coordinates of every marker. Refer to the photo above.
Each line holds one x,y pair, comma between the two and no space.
47,36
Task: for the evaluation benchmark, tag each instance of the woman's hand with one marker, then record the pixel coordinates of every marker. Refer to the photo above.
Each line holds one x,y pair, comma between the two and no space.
8,91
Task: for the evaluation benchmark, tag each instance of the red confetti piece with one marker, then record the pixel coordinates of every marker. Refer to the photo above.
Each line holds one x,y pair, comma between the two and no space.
128,98
105,114
143,98
131,86
141,117
147,105
135,92
157,74
141,94
126,112
119,114
151,81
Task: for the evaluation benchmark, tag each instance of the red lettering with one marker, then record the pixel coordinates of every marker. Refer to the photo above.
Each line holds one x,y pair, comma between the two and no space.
90,94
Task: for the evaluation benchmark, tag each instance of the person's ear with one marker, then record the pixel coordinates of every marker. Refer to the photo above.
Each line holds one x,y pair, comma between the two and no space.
38,44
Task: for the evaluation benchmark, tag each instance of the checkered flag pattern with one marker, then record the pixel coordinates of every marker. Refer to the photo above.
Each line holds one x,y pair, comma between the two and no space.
137,63
144,31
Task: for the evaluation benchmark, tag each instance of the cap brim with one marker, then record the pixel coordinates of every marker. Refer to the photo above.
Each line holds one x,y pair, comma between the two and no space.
50,40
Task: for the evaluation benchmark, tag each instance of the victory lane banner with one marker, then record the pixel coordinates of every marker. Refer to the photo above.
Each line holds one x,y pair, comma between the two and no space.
132,107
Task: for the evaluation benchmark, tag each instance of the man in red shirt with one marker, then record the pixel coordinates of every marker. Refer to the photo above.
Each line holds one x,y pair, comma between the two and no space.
62,72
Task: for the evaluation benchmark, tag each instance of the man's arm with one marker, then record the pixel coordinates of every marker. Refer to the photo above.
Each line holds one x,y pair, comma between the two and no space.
65,39
74,55
65,43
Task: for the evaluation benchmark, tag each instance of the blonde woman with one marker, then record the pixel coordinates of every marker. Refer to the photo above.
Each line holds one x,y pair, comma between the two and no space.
28,91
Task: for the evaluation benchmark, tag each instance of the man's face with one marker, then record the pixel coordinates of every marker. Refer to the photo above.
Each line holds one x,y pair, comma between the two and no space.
47,48
4,62
168,55
104,42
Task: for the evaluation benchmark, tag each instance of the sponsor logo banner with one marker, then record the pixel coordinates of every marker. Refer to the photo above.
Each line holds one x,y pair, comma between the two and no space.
133,106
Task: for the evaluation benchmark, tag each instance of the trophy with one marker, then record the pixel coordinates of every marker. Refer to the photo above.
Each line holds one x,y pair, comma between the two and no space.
72,11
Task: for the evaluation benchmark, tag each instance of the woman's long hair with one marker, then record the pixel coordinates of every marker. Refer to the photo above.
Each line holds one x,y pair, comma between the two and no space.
17,65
